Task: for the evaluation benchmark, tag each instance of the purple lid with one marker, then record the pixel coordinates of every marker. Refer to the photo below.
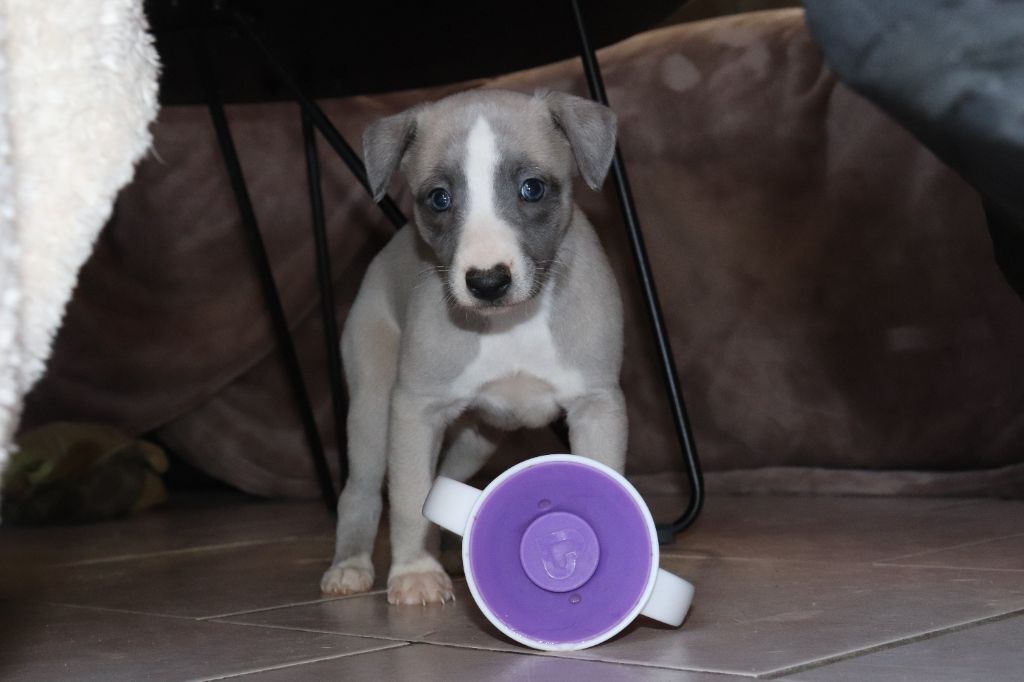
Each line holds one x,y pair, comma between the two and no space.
560,552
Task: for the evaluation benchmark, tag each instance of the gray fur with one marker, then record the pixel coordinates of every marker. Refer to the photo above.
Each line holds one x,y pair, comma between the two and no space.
422,363
384,145
590,128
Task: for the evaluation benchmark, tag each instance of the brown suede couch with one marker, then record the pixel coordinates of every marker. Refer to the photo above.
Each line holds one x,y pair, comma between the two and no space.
838,322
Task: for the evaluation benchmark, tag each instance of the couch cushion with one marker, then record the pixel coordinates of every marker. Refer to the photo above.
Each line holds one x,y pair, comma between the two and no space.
828,283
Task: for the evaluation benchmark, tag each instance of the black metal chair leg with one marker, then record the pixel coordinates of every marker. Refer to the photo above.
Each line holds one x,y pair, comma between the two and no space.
266,274
319,119
325,280
666,533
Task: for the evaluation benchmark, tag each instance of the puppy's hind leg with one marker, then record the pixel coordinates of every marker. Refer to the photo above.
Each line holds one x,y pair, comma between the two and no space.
470,445
370,351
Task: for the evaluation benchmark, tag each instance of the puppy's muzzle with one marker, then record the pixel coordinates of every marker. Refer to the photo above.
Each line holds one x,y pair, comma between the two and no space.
489,285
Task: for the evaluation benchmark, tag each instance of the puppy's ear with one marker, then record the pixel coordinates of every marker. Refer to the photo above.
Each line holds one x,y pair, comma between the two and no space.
590,128
384,144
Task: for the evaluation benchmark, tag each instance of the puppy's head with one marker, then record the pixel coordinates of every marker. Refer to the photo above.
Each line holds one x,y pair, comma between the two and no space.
491,177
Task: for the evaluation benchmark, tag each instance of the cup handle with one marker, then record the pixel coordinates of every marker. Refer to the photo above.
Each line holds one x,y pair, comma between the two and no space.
449,503
670,599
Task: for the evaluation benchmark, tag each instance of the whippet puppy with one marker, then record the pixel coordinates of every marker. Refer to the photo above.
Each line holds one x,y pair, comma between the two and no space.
495,309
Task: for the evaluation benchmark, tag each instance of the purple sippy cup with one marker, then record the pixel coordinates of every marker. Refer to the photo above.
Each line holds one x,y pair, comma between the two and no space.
560,552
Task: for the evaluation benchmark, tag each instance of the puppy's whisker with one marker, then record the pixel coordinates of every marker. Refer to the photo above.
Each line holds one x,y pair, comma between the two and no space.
425,275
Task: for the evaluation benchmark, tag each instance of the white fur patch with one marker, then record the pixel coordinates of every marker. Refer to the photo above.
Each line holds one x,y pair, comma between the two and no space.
517,376
486,239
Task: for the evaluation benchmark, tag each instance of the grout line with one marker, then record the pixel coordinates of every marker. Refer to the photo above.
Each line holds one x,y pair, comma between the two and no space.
567,656
893,644
311,602
111,609
296,664
694,556
973,543
950,568
867,563
211,619
782,561
180,551
316,631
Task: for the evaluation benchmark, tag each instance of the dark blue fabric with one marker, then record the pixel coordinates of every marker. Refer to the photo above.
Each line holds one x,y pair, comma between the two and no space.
951,72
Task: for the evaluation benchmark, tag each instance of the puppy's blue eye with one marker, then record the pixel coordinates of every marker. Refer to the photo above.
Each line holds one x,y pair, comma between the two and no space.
532,189
440,200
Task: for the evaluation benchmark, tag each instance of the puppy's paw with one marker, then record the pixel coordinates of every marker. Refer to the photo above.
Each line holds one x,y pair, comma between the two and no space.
351,576
421,582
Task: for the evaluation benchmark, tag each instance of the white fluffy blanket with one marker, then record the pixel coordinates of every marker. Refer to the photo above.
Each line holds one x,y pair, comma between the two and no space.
78,90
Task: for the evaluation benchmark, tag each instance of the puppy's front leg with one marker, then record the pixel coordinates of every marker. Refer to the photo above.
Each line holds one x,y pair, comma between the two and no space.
415,434
598,427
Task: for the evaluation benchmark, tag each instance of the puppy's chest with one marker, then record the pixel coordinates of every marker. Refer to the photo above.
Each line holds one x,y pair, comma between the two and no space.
517,376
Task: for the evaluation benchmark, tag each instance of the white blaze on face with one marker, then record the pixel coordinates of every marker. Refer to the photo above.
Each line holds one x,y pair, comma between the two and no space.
486,240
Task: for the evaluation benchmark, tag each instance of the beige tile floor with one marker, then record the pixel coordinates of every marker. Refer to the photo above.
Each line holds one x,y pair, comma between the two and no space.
216,586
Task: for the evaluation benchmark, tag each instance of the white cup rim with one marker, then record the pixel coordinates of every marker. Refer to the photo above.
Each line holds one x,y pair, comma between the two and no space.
655,558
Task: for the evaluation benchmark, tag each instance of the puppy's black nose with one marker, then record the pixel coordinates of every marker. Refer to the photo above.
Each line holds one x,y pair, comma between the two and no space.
489,285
